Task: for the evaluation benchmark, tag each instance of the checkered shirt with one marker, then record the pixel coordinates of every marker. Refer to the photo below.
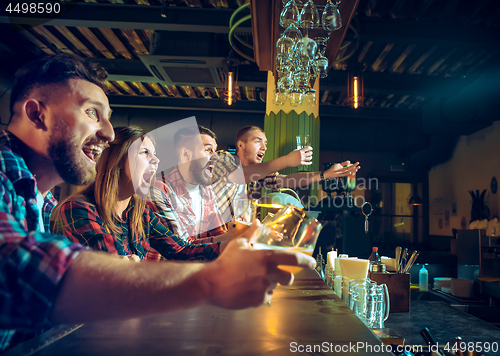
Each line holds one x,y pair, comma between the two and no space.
226,191
80,222
32,263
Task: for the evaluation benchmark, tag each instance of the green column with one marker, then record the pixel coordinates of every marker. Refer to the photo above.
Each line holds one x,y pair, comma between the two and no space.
283,124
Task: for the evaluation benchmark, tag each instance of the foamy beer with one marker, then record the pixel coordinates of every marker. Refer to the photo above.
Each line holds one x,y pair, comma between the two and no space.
244,214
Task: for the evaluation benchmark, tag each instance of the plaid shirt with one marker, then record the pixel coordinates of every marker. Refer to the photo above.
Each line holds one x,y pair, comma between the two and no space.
171,203
32,264
226,191
80,222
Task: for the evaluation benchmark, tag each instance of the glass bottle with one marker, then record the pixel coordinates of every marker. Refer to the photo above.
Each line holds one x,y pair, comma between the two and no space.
375,261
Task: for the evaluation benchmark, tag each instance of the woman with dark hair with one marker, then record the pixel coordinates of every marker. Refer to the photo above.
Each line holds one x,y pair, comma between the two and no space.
111,214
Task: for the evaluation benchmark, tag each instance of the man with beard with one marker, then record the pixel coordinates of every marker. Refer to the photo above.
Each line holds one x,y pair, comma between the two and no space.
59,126
183,199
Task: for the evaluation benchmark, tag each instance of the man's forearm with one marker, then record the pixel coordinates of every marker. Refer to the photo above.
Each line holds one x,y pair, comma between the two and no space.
95,282
254,172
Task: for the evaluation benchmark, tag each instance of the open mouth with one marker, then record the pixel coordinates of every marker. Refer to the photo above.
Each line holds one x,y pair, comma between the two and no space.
92,151
260,156
148,177
209,170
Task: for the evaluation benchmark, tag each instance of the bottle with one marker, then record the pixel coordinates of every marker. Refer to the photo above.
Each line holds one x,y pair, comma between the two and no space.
374,259
423,279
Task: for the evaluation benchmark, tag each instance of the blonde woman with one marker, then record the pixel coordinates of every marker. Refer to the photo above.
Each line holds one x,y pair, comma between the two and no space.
111,214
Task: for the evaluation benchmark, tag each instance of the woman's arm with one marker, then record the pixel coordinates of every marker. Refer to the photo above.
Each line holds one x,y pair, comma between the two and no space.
173,247
80,222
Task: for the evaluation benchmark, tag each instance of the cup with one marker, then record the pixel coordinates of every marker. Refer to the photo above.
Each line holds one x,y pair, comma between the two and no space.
377,306
244,214
338,285
358,289
289,229
303,141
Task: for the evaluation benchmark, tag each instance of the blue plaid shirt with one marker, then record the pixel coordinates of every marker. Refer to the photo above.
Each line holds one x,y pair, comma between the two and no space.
32,263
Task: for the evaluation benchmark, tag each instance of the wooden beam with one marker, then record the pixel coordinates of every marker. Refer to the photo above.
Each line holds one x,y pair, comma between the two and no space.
265,31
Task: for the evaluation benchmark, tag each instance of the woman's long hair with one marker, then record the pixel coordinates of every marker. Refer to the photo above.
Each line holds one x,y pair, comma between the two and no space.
105,189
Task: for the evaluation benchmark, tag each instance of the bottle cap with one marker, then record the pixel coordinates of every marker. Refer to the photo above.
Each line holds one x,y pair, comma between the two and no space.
375,249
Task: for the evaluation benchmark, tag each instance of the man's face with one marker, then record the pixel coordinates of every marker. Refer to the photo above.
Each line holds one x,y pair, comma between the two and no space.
79,129
204,157
254,148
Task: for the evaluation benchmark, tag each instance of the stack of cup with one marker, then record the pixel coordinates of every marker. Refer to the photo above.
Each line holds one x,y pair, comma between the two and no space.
369,301
352,268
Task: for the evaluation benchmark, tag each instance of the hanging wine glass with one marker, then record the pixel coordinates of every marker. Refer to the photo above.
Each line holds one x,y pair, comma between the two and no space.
298,2
290,14
309,16
293,33
286,82
301,79
295,97
309,96
321,42
301,62
314,69
279,96
310,47
283,63
305,47
322,66
285,46
331,19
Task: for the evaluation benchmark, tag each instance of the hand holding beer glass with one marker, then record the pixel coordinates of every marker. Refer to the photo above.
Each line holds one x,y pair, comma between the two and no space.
290,229
302,142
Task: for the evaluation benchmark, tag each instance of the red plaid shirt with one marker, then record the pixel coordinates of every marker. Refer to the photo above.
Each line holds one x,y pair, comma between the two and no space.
171,203
80,222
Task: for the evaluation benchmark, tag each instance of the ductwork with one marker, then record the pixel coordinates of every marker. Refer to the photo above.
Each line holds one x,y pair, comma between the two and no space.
471,110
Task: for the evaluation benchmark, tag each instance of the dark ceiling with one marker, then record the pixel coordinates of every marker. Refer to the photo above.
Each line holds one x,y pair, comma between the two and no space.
421,57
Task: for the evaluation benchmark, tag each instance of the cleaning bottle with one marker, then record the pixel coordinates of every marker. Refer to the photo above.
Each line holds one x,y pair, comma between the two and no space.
423,279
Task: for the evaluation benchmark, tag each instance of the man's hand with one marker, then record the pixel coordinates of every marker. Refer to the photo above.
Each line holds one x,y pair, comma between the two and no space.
131,257
340,169
302,157
242,277
237,230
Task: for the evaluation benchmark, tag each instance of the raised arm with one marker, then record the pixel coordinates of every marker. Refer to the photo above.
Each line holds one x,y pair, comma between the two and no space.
303,179
254,172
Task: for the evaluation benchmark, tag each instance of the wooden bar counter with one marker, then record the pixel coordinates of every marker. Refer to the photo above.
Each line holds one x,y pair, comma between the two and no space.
305,318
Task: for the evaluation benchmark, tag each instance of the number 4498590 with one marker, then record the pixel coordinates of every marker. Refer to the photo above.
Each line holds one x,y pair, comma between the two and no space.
33,8
472,346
